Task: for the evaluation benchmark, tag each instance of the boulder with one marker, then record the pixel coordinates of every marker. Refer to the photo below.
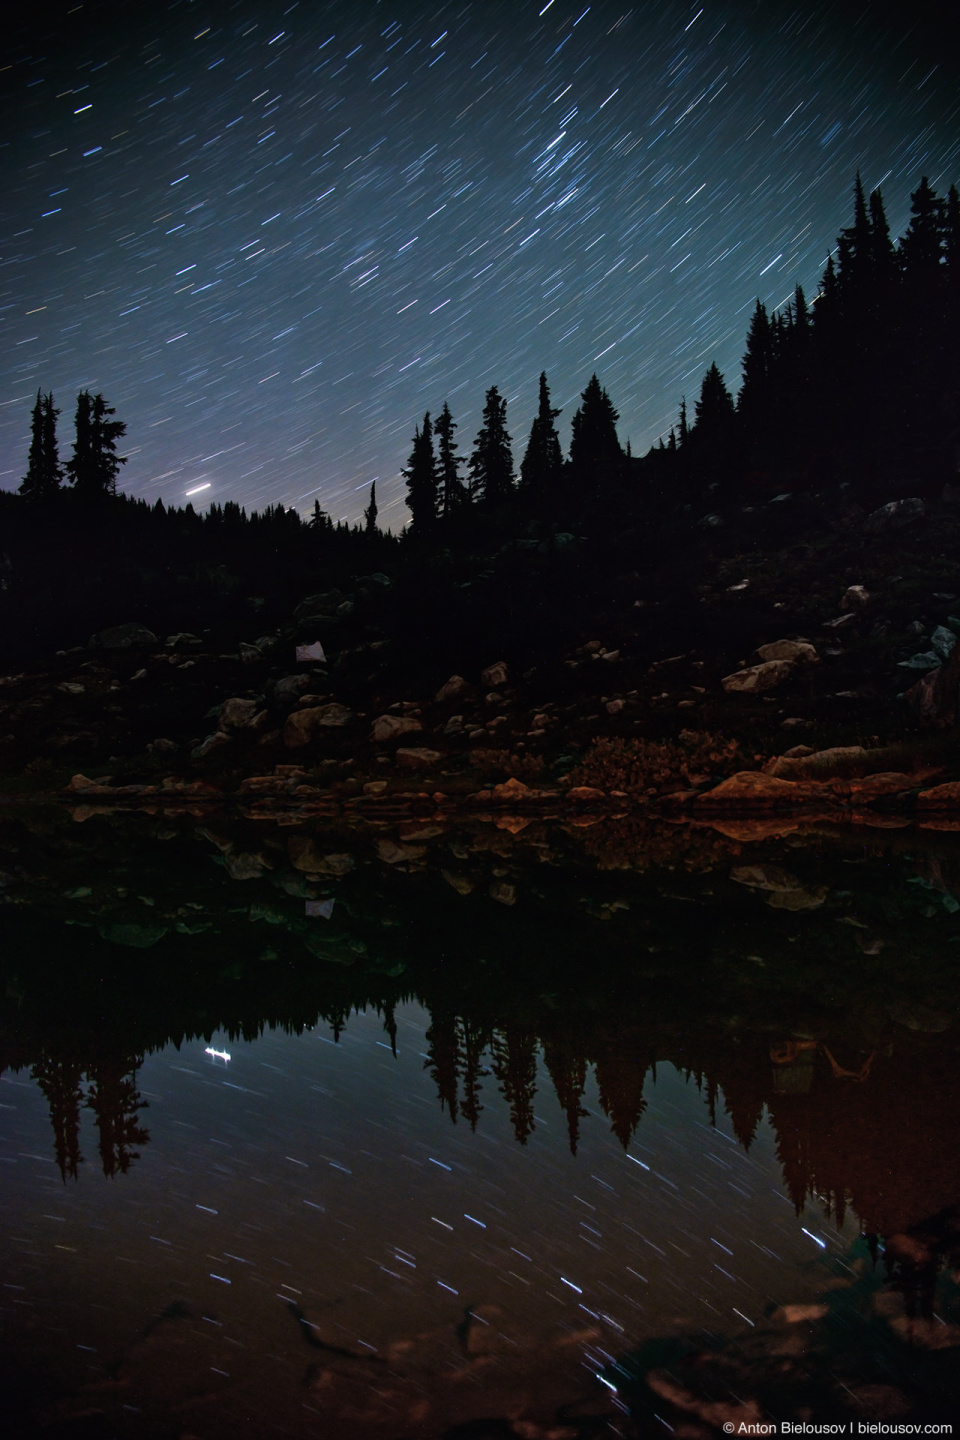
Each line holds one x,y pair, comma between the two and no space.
896,515
512,790
391,727
309,653
391,852
754,678
123,637
497,674
417,758
816,764
936,698
325,605
212,742
291,686
797,652
236,713
305,855
452,690
751,788
302,726
938,797
855,597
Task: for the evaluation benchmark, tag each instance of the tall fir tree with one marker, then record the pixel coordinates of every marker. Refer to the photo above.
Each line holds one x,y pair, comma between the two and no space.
757,363
421,478
595,454
370,514
95,463
542,463
714,410
491,464
451,492
44,472
921,247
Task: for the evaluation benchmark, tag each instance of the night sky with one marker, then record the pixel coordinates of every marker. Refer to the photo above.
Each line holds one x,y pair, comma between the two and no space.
273,236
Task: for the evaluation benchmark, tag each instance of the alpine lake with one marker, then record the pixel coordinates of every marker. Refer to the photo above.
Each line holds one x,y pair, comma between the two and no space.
476,1128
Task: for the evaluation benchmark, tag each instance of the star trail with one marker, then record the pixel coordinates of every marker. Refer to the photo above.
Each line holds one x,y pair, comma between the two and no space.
274,236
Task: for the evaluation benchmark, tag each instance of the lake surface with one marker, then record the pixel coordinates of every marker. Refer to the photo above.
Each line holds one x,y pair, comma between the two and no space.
388,1131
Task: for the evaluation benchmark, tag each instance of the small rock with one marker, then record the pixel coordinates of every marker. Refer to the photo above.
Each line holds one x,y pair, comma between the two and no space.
461,883
302,726
249,654
374,787
236,712
795,651
452,690
417,758
613,707
181,640
497,674
585,792
390,727
163,746
512,789
122,637
308,653
290,686
212,742
855,597
841,622
391,852
305,855
503,893
895,515
755,678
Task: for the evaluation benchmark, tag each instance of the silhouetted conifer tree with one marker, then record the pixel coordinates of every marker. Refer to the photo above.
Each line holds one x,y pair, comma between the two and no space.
757,362
451,493
683,429
491,464
714,410
44,472
370,514
921,247
95,462
542,464
595,454
421,478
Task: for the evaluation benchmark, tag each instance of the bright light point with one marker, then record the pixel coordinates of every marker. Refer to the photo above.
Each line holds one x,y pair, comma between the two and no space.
815,1239
196,491
217,1054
